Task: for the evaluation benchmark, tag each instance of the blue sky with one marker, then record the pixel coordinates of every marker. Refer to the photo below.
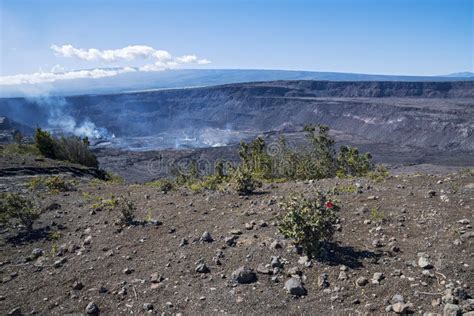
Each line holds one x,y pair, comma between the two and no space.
379,36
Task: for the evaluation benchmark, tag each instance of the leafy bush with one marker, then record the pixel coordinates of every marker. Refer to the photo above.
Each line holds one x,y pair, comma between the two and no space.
127,211
309,222
19,149
17,137
243,182
379,174
72,148
351,163
53,184
16,207
164,185
75,150
113,178
45,143
125,207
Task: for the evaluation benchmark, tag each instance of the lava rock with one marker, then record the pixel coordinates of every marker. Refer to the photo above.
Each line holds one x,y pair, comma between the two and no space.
92,309
244,275
294,287
206,237
362,281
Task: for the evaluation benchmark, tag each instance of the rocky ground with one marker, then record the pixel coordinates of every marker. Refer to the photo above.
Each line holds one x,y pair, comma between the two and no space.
404,245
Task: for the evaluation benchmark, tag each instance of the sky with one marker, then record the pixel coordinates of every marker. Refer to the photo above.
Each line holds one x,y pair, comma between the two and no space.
52,39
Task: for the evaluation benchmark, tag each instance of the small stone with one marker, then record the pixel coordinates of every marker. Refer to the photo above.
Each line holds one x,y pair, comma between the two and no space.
276,263
231,241
15,312
244,275
183,242
148,306
87,240
342,276
59,263
263,270
248,226
451,310
362,281
444,198
127,271
372,197
397,298
92,309
323,281
402,308
77,285
464,221
303,259
206,237
294,287
36,253
156,278
202,268
377,277
276,245
424,263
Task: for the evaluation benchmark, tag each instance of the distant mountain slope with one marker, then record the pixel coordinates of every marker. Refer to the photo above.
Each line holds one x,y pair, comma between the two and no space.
429,115
194,78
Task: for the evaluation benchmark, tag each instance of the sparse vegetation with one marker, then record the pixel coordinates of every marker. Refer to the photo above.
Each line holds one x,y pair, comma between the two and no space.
379,174
309,222
72,148
13,206
53,184
164,185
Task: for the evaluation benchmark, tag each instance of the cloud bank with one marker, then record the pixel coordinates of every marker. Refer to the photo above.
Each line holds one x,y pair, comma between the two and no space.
155,60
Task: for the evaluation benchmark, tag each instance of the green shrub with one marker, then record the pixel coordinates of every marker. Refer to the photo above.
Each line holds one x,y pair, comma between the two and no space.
52,183
309,222
19,149
16,207
75,150
351,163
379,174
72,148
243,182
18,137
125,207
45,143
113,178
127,211
164,185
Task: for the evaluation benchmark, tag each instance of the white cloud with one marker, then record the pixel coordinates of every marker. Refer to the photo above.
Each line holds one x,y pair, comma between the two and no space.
158,60
45,77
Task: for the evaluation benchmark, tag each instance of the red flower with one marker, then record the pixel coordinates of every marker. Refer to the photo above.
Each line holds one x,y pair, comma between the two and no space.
329,204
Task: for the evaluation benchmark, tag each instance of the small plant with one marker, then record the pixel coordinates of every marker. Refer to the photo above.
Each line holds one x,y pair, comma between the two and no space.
127,211
45,143
54,249
148,217
13,206
164,185
113,178
309,222
244,183
55,235
18,137
54,184
376,214
345,189
379,174
57,184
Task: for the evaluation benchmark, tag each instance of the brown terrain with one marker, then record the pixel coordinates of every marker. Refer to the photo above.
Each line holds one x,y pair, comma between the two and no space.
404,244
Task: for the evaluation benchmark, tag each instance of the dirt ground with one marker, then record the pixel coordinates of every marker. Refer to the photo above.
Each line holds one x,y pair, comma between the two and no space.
385,227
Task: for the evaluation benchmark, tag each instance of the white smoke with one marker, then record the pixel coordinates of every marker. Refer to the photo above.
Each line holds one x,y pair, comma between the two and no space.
64,123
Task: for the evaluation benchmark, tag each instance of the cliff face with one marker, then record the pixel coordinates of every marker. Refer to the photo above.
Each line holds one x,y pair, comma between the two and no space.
423,114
